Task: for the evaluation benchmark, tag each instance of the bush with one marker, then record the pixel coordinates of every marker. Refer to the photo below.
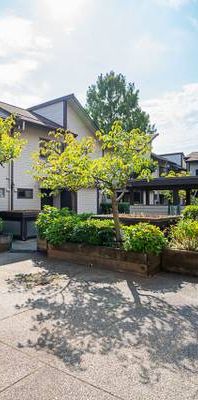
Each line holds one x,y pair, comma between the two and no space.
52,215
1,225
47,216
124,208
190,212
143,238
60,230
106,208
94,232
184,235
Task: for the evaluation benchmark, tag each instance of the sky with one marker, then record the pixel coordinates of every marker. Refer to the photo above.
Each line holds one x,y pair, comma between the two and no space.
50,48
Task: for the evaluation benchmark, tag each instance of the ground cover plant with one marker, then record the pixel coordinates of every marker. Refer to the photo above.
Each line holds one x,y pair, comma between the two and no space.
190,212
184,235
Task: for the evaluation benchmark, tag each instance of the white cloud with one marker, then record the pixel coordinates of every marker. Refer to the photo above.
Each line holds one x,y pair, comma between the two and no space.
176,118
66,13
22,51
19,36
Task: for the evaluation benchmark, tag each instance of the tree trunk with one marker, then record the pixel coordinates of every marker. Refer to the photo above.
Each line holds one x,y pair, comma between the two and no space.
116,219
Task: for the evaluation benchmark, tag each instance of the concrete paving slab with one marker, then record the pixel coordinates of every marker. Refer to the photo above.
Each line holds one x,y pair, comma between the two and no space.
49,384
132,337
14,366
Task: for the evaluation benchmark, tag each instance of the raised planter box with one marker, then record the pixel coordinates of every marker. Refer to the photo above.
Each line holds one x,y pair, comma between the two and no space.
5,242
42,245
180,261
105,257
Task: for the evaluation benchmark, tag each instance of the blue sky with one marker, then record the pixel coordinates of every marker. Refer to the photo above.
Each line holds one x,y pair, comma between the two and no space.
50,48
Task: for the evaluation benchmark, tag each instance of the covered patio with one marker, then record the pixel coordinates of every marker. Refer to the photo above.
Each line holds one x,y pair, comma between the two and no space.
187,183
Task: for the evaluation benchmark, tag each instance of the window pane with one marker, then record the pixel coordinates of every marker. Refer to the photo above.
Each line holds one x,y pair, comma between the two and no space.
25,193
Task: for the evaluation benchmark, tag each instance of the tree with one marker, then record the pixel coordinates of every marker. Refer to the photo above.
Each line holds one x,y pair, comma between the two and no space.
10,142
74,167
113,99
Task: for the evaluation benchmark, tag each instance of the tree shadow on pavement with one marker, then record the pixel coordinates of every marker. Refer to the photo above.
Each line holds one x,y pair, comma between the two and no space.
100,312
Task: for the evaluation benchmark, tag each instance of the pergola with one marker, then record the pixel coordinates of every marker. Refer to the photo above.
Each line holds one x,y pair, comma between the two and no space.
175,184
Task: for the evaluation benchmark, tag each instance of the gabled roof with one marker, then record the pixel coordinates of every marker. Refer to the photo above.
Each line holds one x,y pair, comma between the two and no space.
192,156
27,116
71,99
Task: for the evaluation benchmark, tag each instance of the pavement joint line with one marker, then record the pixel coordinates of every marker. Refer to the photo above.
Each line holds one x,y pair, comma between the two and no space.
20,379
84,381
14,315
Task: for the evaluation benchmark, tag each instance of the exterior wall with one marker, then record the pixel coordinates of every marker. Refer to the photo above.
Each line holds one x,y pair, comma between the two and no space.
4,184
54,112
177,158
78,126
193,166
87,201
22,178
86,198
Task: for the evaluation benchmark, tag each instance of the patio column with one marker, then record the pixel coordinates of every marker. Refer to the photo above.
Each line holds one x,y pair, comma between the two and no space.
175,197
131,197
147,198
188,197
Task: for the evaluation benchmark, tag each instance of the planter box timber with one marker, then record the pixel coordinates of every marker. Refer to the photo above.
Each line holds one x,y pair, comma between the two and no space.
42,245
106,257
180,261
5,242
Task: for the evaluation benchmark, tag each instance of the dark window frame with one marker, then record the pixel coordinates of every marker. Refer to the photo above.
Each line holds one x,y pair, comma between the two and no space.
25,197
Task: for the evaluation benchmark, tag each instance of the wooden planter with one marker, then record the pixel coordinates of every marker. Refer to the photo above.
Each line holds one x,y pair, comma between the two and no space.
42,245
5,242
108,258
180,261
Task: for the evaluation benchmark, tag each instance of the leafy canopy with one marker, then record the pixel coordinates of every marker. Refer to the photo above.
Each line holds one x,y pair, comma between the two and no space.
10,142
65,161
113,99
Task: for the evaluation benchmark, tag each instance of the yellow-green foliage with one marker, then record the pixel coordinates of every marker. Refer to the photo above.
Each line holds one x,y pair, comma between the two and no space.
10,142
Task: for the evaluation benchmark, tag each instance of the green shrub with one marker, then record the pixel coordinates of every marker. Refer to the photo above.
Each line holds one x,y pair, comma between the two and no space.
106,208
1,225
47,216
60,230
94,232
143,238
184,235
124,208
190,212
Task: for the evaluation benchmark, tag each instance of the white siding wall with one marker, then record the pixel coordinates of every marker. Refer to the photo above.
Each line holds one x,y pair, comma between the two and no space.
54,112
4,184
87,201
78,126
86,198
22,178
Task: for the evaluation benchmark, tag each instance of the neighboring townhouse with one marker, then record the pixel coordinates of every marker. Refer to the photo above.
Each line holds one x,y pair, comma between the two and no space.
18,190
192,163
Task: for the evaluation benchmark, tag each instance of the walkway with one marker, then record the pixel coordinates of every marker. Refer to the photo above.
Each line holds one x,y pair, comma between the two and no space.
92,334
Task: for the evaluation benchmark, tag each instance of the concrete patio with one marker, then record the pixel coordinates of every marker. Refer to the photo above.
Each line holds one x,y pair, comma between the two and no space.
93,334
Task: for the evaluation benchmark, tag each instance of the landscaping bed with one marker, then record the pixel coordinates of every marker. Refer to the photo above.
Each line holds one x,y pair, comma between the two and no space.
180,261
106,257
